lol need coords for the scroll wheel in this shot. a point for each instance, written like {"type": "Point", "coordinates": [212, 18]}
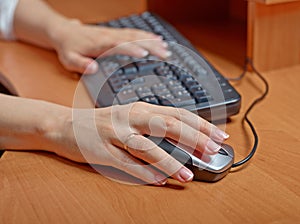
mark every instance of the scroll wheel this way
{"type": "Point", "coordinates": [223, 152]}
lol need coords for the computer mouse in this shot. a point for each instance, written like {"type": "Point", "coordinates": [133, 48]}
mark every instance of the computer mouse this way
{"type": "Point", "coordinates": [208, 168]}
{"type": "Point", "coordinates": [6, 86]}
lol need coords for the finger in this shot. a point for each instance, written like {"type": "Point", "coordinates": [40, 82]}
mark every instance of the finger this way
{"type": "Point", "coordinates": [128, 48]}
{"type": "Point", "coordinates": [155, 47]}
{"type": "Point", "coordinates": [130, 34]}
{"type": "Point", "coordinates": [192, 120]}
{"type": "Point", "coordinates": [129, 164]}
{"type": "Point", "coordinates": [78, 63]}
{"type": "Point", "coordinates": [170, 127]}
{"type": "Point", "coordinates": [146, 40]}
{"type": "Point", "coordinates": [148, 151]}
{"type": "Point", "coordinates": [140, 49]}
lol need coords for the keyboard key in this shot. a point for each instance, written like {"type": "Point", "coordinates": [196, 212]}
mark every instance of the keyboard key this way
{"type": "Point", "coordinates": [183, 76]}
{"type": "Point", "coordinates": [144, 92]}
{"type": "Point", "coordinates": [130, 68]}
{"type": "Point", "coordinates": [177, 88]}
{"type": "Point", "coordinates": [131, 76]}
{"type": "Point", "coordinates": [127, 96]}
{"type": "Point", "coordinates": [204, 99]}
{"type": "Point", "coordinates": [150, 99]}
{"type": "Point", "coordinates": [200, 93]}
{"type": "Point", "coordinates": [180, 94]}
{"type": "Point", "coordinates": [147, 65]}
{"type": "Point", "coordinates": [178, 102]}
{"type": "Point", "coordinates": [190, 83]}
{"type": "Point", "coordinates": [159, 86]}
{"type": "Point", "coordinates": [110, 68]}
{"type": "Point", "coordinates": [164, 71]}
{"type": "Point", "coordinates": [167, 96]}
{"type": "Point", "coordinates": [117, 87]}
{"type": "Point", "coordinates": [161, 92]}
{"type": "Point", "coordinates": [137, 81]}
{"type": "Point", "coordinates": [171, 83]}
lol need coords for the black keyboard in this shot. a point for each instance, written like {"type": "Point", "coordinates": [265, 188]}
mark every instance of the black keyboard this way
{"type": "Point", "coordinates": [185, 80]}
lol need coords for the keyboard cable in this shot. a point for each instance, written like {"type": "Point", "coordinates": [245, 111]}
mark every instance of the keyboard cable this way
{"type": "Point", "coordinates": [249, 62]}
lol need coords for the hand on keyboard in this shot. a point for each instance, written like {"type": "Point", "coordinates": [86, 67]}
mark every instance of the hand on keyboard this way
{"type": "Point", "coordinates": [76, 44]}
{"type": "Point", "coordinates": [185, 79]}
{"type": "Point", "coordinates": [118, 139]}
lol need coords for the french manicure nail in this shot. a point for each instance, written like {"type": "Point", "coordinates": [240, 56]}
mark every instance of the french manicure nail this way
{"type": "Point", "coordinates": [185, 174]}
{"type": "Point", "coordinates": [222, 134]}
{"type": "Point", "coordinates": [145, 53]}
{"type": "Point", "coordinates": [168, 54]}
{"type": "Point", "coordinates": [160, 180]}
{"type": "Point", "coordinates": [212, 146]}
{"type": "Point", "coordinates": [92, 68]}
{"type": "Point", "coordinates": [165, 44]}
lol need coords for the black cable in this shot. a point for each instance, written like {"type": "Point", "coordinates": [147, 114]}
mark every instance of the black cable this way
{"type": "Point", "coordinates": [238, 78]}
{"type": "Point", "coordinates": [245, 118]}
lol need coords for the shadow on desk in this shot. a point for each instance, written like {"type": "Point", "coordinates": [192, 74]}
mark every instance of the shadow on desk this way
{"type": "Point", "coordinates": [111, 173]}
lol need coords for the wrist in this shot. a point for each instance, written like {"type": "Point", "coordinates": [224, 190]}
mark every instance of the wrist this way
{"type": "Point", "coordinates": [58, 30]}
{"type": "Point", "coordinates": [35, 125]}
{"type": "Point", "coordinates": [54, 127]}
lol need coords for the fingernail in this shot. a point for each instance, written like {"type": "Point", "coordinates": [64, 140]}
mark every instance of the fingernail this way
{"type": "Point", "coordinates": [221, 134]}
{"type": "Point", "coordinates": [213, 147]}
{"type": "Point", "coordinates": [92, 67]}
{"type": "Point", "coordinates": [145, 53]}
{"type": "Point", "coordinates": [168, 54]}
{"type": "Point", "coordinates": [160, 180]}
{"type": "Point", "coordinates": [185, 174]}
{"type": "Point", "coordinates": [165, 44]}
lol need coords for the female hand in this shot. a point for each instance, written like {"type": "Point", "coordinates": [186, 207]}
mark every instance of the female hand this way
{"type": "Point", "coordinates": [76, 44]}
{"type": "Point", "coordinates": [114, 136]}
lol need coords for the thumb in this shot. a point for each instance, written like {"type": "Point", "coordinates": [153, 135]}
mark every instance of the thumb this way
{"type": "Point", "coordinates": [78, 63]}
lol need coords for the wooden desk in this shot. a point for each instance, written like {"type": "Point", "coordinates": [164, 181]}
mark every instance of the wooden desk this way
{"type": "Point", "coordinates": [43, 188]}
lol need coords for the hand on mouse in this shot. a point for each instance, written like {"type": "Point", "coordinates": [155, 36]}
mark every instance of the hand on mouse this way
{"type": "Point", "coordinates": [118, 139]}
{"type": "Point", "coordinates": [110, 136]}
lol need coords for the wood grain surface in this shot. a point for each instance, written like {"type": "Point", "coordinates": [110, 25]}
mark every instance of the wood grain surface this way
{"type": "Point", "coordinates": [41, 187]}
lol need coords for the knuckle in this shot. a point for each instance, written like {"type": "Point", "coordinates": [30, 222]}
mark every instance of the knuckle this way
{"type": "Point", "coordinates": [205, 125]}
{"type": "Point", "coordinates": [182, 112]}
{"type": "Point", "coordinates": [141, 148]}
{"type": "Point", "coordinates": [139, 107]}
{"type": "Point", "coordinates": [171, 123]}
{"type": "Point", "coordinates": [196, 136]}
{"type": "Point", "coordinates": [141, 151]}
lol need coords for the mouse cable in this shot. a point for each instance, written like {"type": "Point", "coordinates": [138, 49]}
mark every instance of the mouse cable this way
{"type": "Point", "coordinates": [256, 101]}
{"type": "Point", "coordinates": [241, 76]}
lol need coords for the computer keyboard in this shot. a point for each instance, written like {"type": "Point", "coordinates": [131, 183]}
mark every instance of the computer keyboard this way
{"type": "Point", "coordinates": [185, 80]}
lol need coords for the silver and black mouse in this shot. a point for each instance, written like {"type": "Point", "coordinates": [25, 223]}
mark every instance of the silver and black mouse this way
{"type": "Point", "coordinates": [208, 168]}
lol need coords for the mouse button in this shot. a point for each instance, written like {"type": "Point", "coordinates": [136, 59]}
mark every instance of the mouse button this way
{"type": "Point", "coordinates": [228, 149]}
{"type": "Point", "coordinates": [6, 86]}
{"type": "Point", "coordinates": [219, 163]}
{"type": "Point", "coordinates": [223, 152]}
